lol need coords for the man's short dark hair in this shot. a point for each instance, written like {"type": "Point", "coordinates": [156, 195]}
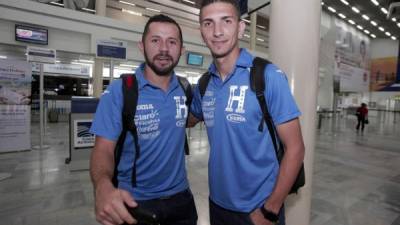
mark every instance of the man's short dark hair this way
{"type": "Point", "coordinates": [162, 19]}
{"type": "Point", "coordinates": [234, 3]}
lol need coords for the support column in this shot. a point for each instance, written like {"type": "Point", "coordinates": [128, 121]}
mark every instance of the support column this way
{"type": "Point", "coordinates": [253, 31]}
{"type": "Point", "coordinates": [98, 77]}
{"type": "Point", "coordinates": [100, 7]}
{"type": "Point", "coordinates": [294, 47]}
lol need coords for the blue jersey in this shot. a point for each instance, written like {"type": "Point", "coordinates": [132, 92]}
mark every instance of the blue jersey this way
{"type": "Point", "coordinates": [160, 120]}
{"type": "Point", "coordinates": [242, 167]}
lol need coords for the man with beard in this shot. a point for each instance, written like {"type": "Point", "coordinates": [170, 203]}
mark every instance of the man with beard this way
{"type": "Point", "coordinates": [247, 184]}
{"type": "Point", "coordinates": [161, 181]}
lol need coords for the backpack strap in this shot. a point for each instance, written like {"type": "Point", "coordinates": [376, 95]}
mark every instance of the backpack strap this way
{"type": "Point", "coordinates": [203, 83]}
{"type": "Point", "coordinates": [130, 100]}
{"type": "Point", "coordinates": [257, 84]}
{"type": "Point", "coordinates": [187, 88]}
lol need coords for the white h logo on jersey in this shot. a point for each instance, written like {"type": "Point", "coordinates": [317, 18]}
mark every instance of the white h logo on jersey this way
{"type": "Point", "coordinates": [180, 105]}
{"type": "Point", "coordinates": [239, 98]}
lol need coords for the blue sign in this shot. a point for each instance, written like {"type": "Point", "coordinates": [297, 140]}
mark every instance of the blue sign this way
{"type": "Point", "coordinates": [194, 59]}
{"type": "Point", "coordinates": [111, 49]}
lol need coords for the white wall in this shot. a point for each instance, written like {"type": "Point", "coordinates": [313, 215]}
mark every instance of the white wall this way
{"type": "Point", "coordinates": [327, 53]}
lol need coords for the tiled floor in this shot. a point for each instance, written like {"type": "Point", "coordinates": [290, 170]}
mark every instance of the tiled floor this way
{"type": "Point", "coordinates": [356, 178]}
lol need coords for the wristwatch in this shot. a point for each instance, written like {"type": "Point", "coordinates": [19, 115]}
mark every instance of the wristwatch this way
{"type": "Point", "coordinates": [269, 215]}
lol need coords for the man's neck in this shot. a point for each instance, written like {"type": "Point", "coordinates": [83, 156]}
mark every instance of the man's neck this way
{"type": "Point", "coordinates": [225, 65]}
{"type": "Point", "coordinates": [156, 80]}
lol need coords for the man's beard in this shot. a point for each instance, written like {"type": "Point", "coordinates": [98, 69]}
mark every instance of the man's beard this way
{"type": "Point", "coordinates": [161, 71]}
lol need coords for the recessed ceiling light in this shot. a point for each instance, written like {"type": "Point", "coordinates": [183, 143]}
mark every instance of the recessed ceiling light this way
{"type": "Point", "coordinates": [154, 10]}
{"type": "Point", "coordinates": [388, 33]}
{"type": "Point", "coordinates": [366, 31]}
{"type": "Point", "coordinates": [360, 27]}
{"type": "Point", "coordinates": [355, 9]}
{"type": "Point", "coordinates": [352, 22]}
{"type": "Point", "coordinates": [398, 24]}
{"type": "Point", "coordinates": [373, 36]}
{"type": "Point", "coordinates": [190, 2]}
{"type": "Point", "coordinates": [345, 2]}
{"type": "Point", "coordinates": [375, 2]}
{"type": "Point", "coordinates": [365, 17]}
{"type": "Point", "coordinates": [342, 16]}
{"type": "Point", "coordinates": [393, 37]}
{"type": "Point", "coordinates": [381, 29]}
{"type": "Point", "coordinates": [322, 3]}
{"type": "Point", "coordinates": [127, 3]}
{"type": "Point", "coordinates": [384, 10]}
{"type": "Point", "coordinates": [373, 23]}
{"type": "Point", "coordinates": [3, 57]}
{"type": "Point", "coordinates": [331, 9]}
{"type": "Point", "coordinates": [394, 19]}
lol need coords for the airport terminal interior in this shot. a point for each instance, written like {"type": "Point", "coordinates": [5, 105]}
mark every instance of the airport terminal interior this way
{"type": "Point", "coordinates": [56, 55]}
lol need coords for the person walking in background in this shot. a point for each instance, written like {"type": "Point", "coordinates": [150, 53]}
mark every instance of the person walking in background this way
{"type": "Point", "coordinates": [362, 116]}
{"type": "Point", "coordinates": [155, 180]}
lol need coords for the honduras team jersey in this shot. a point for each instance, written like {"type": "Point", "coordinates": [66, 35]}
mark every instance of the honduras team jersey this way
{"type": "Point", "coordinates": [160, 120]}
{"type": "Point", "coordinates": [242, 167]}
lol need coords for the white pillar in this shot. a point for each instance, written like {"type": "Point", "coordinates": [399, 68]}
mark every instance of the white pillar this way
{"type": "Point", "coordinates": [98, 77]}
{"type": "Point", "coordinates": [294, 47]}
{"type": "Point", "coordinates": [253, 31]}
{"type": "Point", "coordinates": [101, 6]}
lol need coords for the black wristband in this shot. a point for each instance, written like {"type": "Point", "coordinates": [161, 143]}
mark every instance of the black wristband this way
{"type": "Point", "coordinates": [269, 215]}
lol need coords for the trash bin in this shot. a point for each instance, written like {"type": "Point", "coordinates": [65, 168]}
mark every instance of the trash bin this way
{"type": "Point", "coordinates": [53, 116]}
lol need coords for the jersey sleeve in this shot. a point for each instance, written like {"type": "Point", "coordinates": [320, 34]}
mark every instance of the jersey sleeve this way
{"type": "Point", "coordinates": [195, 108]}
{"type": "Point", "coordinates": [281, 104]}
{"type": "Point", "coordinates": [107, 121]}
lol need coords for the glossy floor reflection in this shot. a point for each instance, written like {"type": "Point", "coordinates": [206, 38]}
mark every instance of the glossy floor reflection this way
{"type": "Point", "coordinates": [356, 177]}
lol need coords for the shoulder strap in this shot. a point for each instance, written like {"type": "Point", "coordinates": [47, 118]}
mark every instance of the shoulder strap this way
{"type": "Point", "coordinates": [130, 100]}
{"type": "Point", "coordinates": [203, 83]}
{"type": "Point", "coordinates": [187, 88]}
{"type": "Point", "coordinates": [257, 84]}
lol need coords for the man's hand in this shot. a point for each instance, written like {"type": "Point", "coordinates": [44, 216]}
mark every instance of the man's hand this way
{"type": "Point", "coordinates": [258, 218]}
{"type": "Point", "coordinates": [110, 208]}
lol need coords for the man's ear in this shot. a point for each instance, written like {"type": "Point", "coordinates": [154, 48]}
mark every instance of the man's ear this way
{"type": "Point", "coordinates": [183, 50]}
{"type": "Point", "coordinates": [242, 27]}
{"type": "Point", "coordinates": [141, 47]}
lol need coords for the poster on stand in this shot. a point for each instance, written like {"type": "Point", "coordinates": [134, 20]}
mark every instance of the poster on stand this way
{"type": "Point", "coordinates": [15, 111]}
{"type": "Point", "coordinates": [82, 137]}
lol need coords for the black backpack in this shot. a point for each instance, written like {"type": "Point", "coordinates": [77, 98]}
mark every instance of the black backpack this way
{"type": "Point", "coordinates": [257, 84]}
{"type": "Point", "coordinates": [130, 100]}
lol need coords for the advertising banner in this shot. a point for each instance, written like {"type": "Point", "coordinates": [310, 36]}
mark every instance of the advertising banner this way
{"type": "Point", "coordinates": [15, 111]}
{"type": "Point", "coordinates": [352, 58]}
{"type": "Point", "coordinates": [383, 74]}
{"type": "Point", "coordinates": [82, 137]}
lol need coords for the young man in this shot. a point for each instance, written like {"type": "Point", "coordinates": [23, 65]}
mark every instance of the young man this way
{"type": "Point", "coordinates": [161, 182]}
{"type": "Point", "coordinates": [247, 185]}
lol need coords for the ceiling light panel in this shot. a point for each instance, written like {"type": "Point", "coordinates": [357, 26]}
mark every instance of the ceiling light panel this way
{"type": "Point", "coordinates": [331, 9]}
{"type": "Point", "coordinates": [375, 2]}
{"type": "Point", "coordinates": [355, 9]}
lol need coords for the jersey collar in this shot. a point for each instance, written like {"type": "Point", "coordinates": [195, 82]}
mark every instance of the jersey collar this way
{"type": "Point", "coordinates": [142, 81]}
{"type": "Point", "coordinates": [245, 60]}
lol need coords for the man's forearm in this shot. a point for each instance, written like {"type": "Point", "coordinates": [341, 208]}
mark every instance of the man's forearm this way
{"type": "Point", "coordinates": [101, 163]}
{"type": "Point", "coordinates": [288, 171]}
